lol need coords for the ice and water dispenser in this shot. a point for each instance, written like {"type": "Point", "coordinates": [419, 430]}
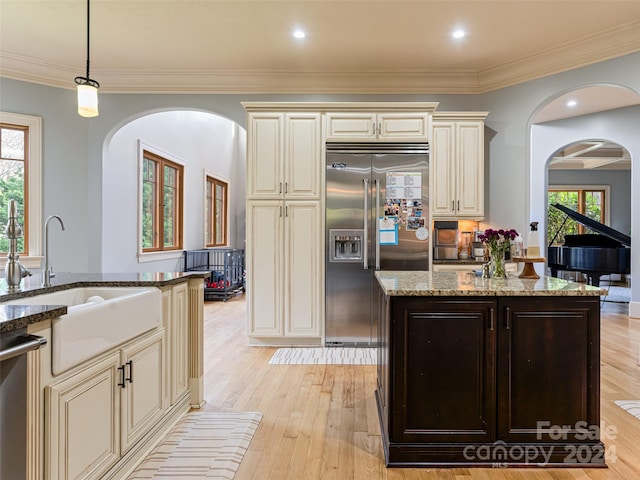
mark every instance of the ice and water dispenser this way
{"type": "Point", "coordinates": [345, 245]}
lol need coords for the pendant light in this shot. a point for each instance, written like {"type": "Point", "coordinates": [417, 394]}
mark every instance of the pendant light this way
{"type": "Point", "coordinates": [87, 88]}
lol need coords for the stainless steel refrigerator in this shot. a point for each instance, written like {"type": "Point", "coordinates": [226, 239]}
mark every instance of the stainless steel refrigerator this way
{"type": "Point", "coordinates": [377, 207]}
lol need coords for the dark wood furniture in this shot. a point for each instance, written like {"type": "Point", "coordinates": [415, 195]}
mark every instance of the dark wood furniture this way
{"type": "Point", "coordinates": [489, 381]}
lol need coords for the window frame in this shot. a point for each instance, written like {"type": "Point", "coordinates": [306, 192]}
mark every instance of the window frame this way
{"type": "Point", "coordinates": [210, 222]}
{"type": "Point", "coordinates": [160, 252]}
{"type": "Point", "coordinates": [33, 188]}
{"type": "Point", "coordinates": [582, 189]}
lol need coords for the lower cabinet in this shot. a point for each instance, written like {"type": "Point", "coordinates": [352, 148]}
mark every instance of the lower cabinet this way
{"type": "Point", "coordinates": [175, 307]}
{"type": "Point", "coordinates": [94, 416]}
{"type": "Point", "coordinates": [480, 380]}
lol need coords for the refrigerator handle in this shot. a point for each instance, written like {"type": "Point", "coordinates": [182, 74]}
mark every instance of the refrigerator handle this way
{"type": "Point", "coordinates": [365, 236]}
{"type": "Point", "coordinates": [377, 220]}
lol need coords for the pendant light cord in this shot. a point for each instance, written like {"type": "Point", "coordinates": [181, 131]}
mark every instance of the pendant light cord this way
{"type": "Point", "coordinates": [88, 34]}
{"type": "Point", "coordinates": [87, 80]}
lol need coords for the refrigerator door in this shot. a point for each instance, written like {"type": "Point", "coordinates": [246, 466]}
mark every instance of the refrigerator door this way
{"type": "Point", "coordinates": [400, 211]}
{"type": "Point", "coordinates": [348, 273]}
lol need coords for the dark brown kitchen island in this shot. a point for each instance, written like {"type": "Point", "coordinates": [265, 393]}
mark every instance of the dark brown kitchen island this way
{"type": "Point", "coordinates": [484, 372]}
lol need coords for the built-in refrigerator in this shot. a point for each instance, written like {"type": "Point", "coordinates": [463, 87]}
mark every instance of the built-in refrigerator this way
{"type": "Point", "coordinates": [377, 208]}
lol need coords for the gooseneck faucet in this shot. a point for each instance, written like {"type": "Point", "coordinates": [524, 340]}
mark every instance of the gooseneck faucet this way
{"type": "Point", "coordinates": [14, 271]}
{"type": "Point", "coordinates": [47, 273]}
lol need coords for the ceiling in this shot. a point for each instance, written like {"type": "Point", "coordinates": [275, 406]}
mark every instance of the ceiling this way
{"type": "Point", "coordinates": [360, 46]}
{"type": "Point", "coordinates": [241, 46]}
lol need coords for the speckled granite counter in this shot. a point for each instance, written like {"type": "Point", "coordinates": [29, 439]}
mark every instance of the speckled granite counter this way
{"type": "Point", "coordinates": [18, 316]}
{"type": "Point", "coordinates": [412, 284]}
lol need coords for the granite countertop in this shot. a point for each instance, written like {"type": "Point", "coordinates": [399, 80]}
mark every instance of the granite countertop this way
{"type": "Point", "coordinates": [420, 283]}
{"type": "Point", "coordinates": [18, 316]}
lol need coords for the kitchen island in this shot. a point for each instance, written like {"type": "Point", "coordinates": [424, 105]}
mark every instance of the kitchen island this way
{"type": "Point", "coordinates": [488, 372]}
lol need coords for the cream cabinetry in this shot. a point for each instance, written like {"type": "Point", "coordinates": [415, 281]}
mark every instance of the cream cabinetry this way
{"type": "Point", "coordinates": [284, 250]}
{"type": "Point", "coordinates": [378, 127]}
{"type": "Point", "coordinates": [457, 158]}
{"type": "Point", "coordinates": [284, 155]}
{"type": "Point", "coordinates": [96, 415]}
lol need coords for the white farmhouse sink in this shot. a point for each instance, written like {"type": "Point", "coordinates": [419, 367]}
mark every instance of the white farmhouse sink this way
{"type": "Point", "coordinates": [97, 319]}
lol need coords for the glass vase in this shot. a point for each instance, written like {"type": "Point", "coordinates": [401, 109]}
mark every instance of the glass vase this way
{"type": "Point", "coordinates": [497, 265]}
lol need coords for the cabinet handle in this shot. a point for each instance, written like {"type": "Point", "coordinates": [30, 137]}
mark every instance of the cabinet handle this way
{"type": "Point", "coordinates": [507, 318]}
{"type": "Point", "coordinates": [280, 191]}
{"type": "Point", "coordinates": [453, 205]}
{"type": "Point", "coordinates": [379, 129]}
{"type": "Point", "coordinates": [280, 211]}
{"type": "Point", "coordinates": [130, 378]}
{"type": "Point", "coordinates": [458, 205]}
{"type": "Point", "coordinates": [286, 187]}
{"type": "Point", "coordinates": [286, 211]}
{"type": "Point", "coordinates": [121, 382]}
{"type": "Point", "coordinates": [492, 317]}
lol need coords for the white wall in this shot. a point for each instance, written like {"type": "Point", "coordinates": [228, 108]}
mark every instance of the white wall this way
{"type": "Point", "coordinates": [200, 140]}
{"type": "Point", "coordinates": [619, 126]}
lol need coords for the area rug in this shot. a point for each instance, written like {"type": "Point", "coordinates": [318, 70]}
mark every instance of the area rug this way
{"type": "Point", "coordinates": [617, 294]}
{"type": "Point", "coordinates": [631, 406]}
{"type": "Point", "coordinates": [202, 445]}
{"type": "Point", "coordinates": [324, 356]}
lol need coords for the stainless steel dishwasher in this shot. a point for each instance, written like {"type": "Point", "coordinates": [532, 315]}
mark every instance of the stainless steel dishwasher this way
{"type": "Point", "coordinates": [14, 346]}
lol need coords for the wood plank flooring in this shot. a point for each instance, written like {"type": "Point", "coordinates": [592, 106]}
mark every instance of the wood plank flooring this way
{"type": "Point", "coordinates": [320, 421]}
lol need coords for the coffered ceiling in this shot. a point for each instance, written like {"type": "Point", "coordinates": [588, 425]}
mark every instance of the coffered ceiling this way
{"type": "Point", "coordinates": [243, 46]}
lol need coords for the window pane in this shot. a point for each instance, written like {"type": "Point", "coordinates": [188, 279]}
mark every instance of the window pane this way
{"type": "Point", "coordinates": [12, 144]}
{"type": "Point", "coordinates": [593, 205]}
{"type": "Point", "coordinates": [169, 207]}
{"type": "Point", "coordinates": [11, 188]}
{"type": "Point", "coordinates": [556, 217]}
{"type": "Point", "coordinates": [208, 206]}
{"type": "Point", "coordinates": [149, 200]}
{"type": "Point", "coordinates": [220, 210]}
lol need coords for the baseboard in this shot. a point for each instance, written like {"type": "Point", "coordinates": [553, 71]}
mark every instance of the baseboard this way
{"type": "Point", "coordinates": [127, 464]}
{"type": "Point", "coordinates": [634, 309]}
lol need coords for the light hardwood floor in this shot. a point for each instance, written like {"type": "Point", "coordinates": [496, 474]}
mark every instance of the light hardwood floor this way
{"type": "Point", "coordinates": [320, 421]}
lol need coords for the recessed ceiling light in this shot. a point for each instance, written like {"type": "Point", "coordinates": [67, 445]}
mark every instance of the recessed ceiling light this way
{"type": "Point", "coordinates": [571, 103]}
{"type": "Point", "coordinates": [458, 33]}
{"type": "Point", "coordinates": [299, 34]}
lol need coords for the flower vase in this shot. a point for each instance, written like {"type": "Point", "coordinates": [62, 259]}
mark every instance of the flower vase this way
{"type": "Point", "coordinates": [497, 265]}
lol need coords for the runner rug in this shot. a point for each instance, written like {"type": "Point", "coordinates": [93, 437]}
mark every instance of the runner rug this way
{"type": "Point", "coordinates": [324, 356]}
{"type": "Point", "coordinates": [631, 406]}
{"type": "Point", "coordinates": [207, 445]}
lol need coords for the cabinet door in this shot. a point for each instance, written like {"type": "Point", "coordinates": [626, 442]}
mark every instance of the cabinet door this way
{"type": "Point", "coordinates": [351, 127]}
{"type": "Point", "coordinates": [178, 364]}
{"type": "Point", "coordinates": [443, 352]}
{"type": "Point", "coordinates": [470, 163]}
{"type": "Point", "coordinates": [265, 155]}
{"type": "Point", "coordinates": [264, 270]}
{"type": "Point", "coordinates": [443, 184]}
{"type": "Point", "coordinates": [403, 127]}
{"type": "Point", "coordinates": [83, 430]}
{"type": "Point", "coordinates": [142, 395]}
{"type": "Point", "coordinates": [548, 370]}
{"type": "Point", "coordinates": [302, 258]}
{"type": "Point", "coordinates": [384, 339]}
{"type": "Point", "coordinates": [303, 156]}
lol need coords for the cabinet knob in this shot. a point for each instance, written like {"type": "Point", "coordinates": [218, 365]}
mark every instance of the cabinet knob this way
{"type": "Point", "coordinates": [121, 382]}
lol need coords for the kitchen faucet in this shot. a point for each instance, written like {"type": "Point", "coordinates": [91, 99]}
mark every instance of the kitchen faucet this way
{"type": "Point", "coordinates": [48, 271]}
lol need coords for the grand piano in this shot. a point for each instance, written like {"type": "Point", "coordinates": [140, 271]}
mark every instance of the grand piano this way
{"type": "Point", "coordinates": [594, 254]}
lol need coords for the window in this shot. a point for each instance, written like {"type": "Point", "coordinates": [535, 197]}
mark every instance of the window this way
{"type": "Point", "coordinates": [216, 212]}
{"type": "Point", "coordinates": [162, 200]}
{"type": "Point", "coordinates": [21, 180]}
{"type": "Point", "coordinates": [589, 201]}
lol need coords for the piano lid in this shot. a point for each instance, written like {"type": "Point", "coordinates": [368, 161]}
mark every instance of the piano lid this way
{"type": "Point", "coordinates": [595, 226]}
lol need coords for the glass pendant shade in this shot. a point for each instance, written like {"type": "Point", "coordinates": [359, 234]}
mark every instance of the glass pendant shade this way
{"type": "Point", "coordinates": [87, 100]}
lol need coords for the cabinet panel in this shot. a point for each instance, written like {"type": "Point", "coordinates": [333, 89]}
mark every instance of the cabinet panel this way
{"type": "Point", "coordinates": [407, 127]}
{"type": "Point", "coordinates": [551, 369]}
{"type": "Point", "coordinates": [264, 270]}
{"type": "Point", "coordinates": [302, 266]}
{"type": "Point", "coordinates": [179, 348]}
{"type": "Point", "coordinates": [265, 155]}
{"type": "Point", "coordinates": [444, 374]}
{"type": "Point", "coordinates": [142, 395]}
{"type": "Point", "coordinates": [83, 430]}
{"type": "Point", "coordinates": [442, 195]}
{"type": "Point", "coordinates": [303, 156]}
{"type": "Point", "coordinates": [351, 126]}
{"type": "Point", "coordinates": [469, 153]}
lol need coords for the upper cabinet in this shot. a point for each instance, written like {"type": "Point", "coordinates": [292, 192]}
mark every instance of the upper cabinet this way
{"type": "Point", "coordinates": [378, 127]}
{"type": "Point", "coordinates": [457, 158]}
{"type": "Point", "coordinates": [284, 155]}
